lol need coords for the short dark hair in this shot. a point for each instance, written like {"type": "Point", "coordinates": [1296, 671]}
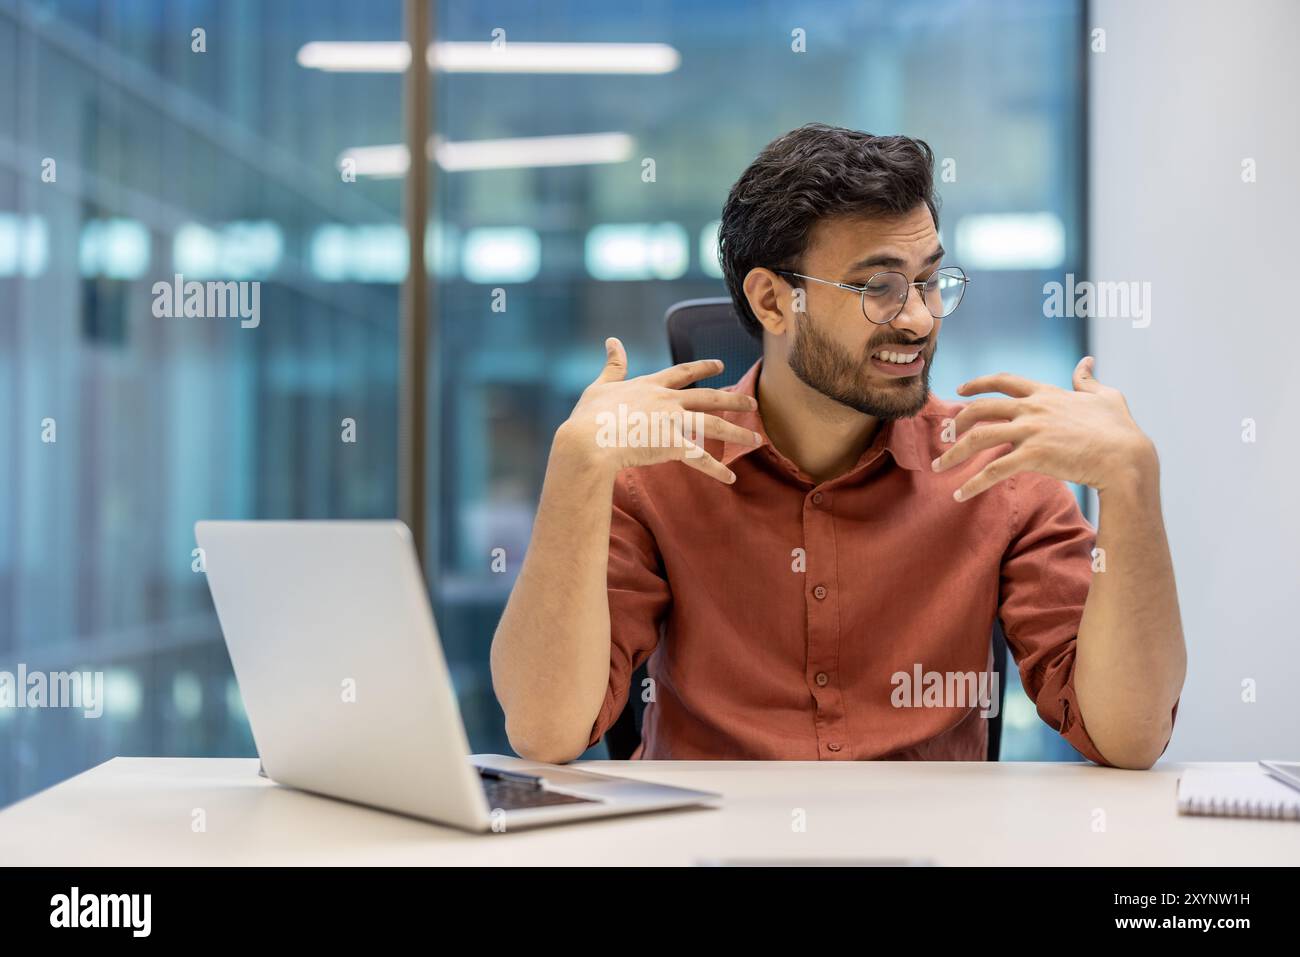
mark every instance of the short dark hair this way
{"type": "Point", "coordinates": [805, 175]}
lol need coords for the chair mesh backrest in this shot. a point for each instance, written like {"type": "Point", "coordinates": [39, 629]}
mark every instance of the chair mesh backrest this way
{"type": "Point", "coordinates": [709, 329]}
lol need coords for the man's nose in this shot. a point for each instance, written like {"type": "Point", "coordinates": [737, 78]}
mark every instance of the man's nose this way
{"type": "Point", "coordinates": [915, 317]}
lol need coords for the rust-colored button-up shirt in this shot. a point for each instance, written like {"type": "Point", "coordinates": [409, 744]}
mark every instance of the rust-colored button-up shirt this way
{"type": "Point", "coordinates": [844, 620]}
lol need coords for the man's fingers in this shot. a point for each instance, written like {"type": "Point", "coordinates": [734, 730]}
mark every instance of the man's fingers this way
{"type": "Point", "coordinates": [983, 410]}
{"type": "Point", "coordinates": [715, 400]}
{"type": "Point", "coordinates": [977, 440]}
{"type": "Point", "coordinates": [683, 374]}
{"type": "Point", "coordinates": [1013, 385]}
{"type": "Point", "coordinates": [1084, 379]}
{"type": "Point", "coordinates": [702, 461]}
{"type": "Point", "coordinates": [687, 429]}
{"type": "Point", "coordinates": [1003, 467]}
{"type": "Point", "coordinates": [615, 362]}
{"type": "Point", "coordinates": [698, 425]}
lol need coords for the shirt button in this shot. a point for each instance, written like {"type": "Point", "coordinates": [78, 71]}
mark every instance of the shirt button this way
{"type": "Point", "coordinates": [822, 678]}
{"type": "Point", "coordinates": [819, 592]}
{"type": "Point", "coordinates": [817, 498]}
{"type": "Point", "coordinates": [832, 746]}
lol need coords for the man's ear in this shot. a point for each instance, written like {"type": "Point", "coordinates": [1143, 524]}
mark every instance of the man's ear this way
{"type": "Point", "coordinates": [772, 300]}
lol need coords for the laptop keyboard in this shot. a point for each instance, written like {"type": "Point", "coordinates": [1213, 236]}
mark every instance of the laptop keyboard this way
{"type": "Point", "coordinates": [517, 795]}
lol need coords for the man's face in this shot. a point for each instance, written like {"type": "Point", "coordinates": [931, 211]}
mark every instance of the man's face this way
{"type": "Point", "coordinates": [834, 348]}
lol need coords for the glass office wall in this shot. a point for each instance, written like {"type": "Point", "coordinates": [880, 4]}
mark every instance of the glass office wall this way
{"type": "Point", "coordinates": [541, 263]}
{"type": "Point", "coordinates": [140, 141]}
{"type": "Point", "coordinates": [228, 142]}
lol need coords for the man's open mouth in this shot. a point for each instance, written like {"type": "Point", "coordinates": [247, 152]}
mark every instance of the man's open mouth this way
{"type": "Point", "coordinates": [898, 360]}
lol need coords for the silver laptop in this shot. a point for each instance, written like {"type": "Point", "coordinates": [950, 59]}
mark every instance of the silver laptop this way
{"type": "Point", "coordinates": [345, 684]}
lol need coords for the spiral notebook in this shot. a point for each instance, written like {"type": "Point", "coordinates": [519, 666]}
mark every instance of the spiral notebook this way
{"type": "Point", "coordinates": [1250, 793]}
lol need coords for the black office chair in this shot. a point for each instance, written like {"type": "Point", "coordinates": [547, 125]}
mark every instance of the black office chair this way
{"type": "Point", "coordinates": [709, 329]}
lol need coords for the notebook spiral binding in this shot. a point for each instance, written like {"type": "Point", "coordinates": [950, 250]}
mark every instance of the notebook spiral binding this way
{"type": "Point", "coordinates": [1240, 807]}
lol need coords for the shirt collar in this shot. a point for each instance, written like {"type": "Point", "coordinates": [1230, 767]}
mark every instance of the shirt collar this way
{"type": "Point", "coordinates": [898, 437]}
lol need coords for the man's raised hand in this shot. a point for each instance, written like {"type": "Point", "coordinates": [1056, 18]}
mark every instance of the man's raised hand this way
{"type": "Point", "coordinates": [621, 422]}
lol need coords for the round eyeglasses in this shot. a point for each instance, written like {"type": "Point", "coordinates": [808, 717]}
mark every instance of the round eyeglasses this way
{"type": "Point", "coordinates": [885, 294]}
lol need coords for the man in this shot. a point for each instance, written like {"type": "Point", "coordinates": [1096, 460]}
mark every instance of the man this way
{"type": "Point", "coordinates": [837, 532]}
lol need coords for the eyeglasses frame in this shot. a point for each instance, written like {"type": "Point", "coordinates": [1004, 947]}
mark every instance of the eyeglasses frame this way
{"type": "Point", "coordinates": [862, 290]}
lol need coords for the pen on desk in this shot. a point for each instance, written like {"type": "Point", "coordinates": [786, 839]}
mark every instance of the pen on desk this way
{"type": "Point", "coordinates": [814, 862]}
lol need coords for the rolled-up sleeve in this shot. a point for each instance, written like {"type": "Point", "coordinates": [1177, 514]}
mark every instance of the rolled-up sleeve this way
{"type": "Point", "coordinates": [639, 598]}
{"type": "Point", "coordinates": [1046, 575]}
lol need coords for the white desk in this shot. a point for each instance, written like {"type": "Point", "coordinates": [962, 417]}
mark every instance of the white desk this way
{"type": "Point", "coordinates": [138, 811]}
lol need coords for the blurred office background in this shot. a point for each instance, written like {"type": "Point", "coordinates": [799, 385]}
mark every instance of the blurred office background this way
{"type": "Point", "coordinates": [225, 164]}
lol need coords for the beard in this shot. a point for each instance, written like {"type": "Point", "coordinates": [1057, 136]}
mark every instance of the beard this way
{"type": "Point", "coordinates": [823, 365]}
